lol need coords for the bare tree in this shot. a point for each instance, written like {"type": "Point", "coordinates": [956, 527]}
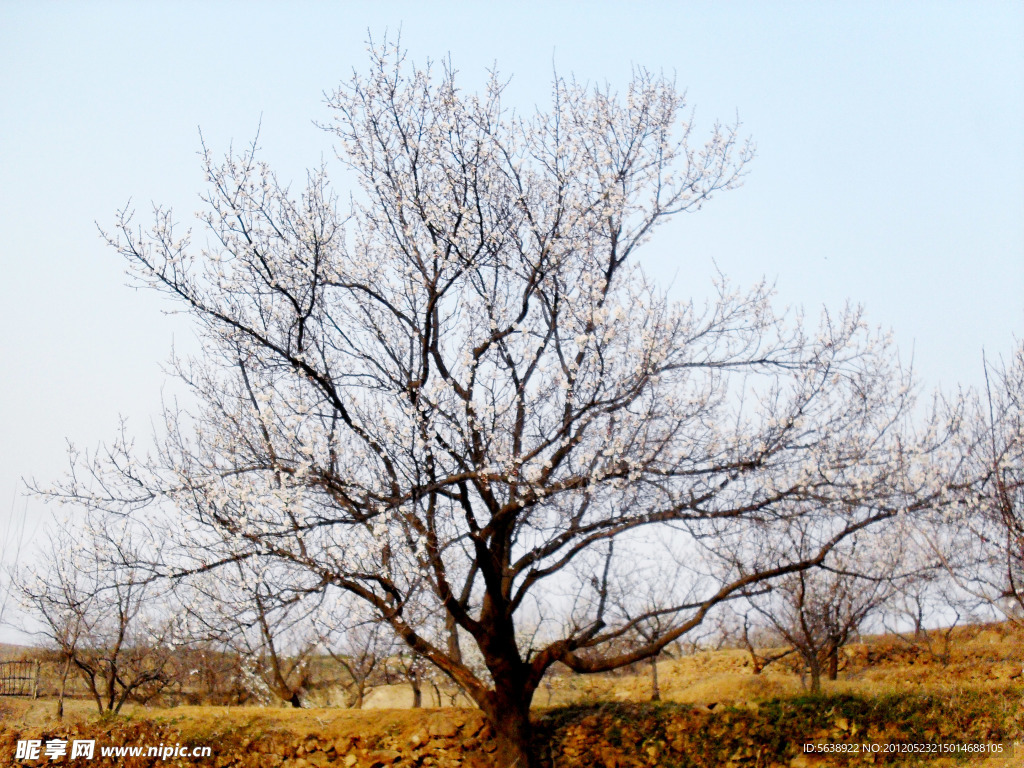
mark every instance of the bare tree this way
{"type": "Point", "coordinates": [61, 597]}
{"type": "Point", "coordinates": [452, 398]}
{"type": "Point", "coordinates": [253, 609]}
{"type": "Point", "coordinates": [999, 462]}
{"type": "Point", "coordinates": [103, 611]}
{"type": "Point", "coordinates": [925, 610]}
{"type": "Point", "coordinates": [360, 645]}
{"type": "Point", "coordinates": [209, 673]}
{"type": "Point", "coordinates": [415, 671]}
{"type": "Point", "coordinates": [818, 610]}
{"type": "Point", "coordinates": [743, 628]}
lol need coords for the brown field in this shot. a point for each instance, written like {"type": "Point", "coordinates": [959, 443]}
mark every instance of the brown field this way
{"type": "Point", "coordinates": [715, 712]}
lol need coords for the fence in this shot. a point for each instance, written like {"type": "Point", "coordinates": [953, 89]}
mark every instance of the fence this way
{"type": "Point", "coordinates": [19, 678]}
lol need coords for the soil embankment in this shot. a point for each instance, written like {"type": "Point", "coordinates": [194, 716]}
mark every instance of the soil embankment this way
{"type": "Point", "coordinates": [769, 734]}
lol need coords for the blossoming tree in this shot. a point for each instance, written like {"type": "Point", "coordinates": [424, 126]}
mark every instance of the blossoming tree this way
{"type": "Point", "coordinates": [462, 397]}
{"type": "Point", "coordinates": [979, 536]}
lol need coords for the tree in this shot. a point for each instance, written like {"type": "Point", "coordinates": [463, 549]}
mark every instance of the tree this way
{"type": "Point", "coordinates": [817, 611]}
{"type": "Point", "coordinates": [103, 610]}
{"type": "Point", "coordinates": [255, 611]}
{"type": "Point", "coordinates": [763, 644]}
{"type": "Point", "coordinates": [999, 461]}
{"type": "Point", "coordinates": [360, 646]}
{"type": "Point", "coordinates": [61, 598]}
{"type": "Point", "coordinates": [454, 399]}
{"type": "Point", "coordinates": [932, 605]}
{"type": "Point", "coordinates": [978, 534]}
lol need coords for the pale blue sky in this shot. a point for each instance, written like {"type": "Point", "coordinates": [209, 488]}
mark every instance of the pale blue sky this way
{"type": "Point", "coordinates": [890, 166]}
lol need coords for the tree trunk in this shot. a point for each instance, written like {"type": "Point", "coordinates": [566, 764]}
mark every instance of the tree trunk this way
{"type": "Point", "coordinates": [417, 694]}
{"type": "Point", "coordinates": [121, 700]}
{"type": "Point", "coordinates": [833, 663]}
{"type": "Point", "coordinates": [90, 677]}
{"type": "Point", "coordinates": [111, 687]}
{"type": "Point", "coordinates": [655, 690]}
{"type": "Point", "coordinates": [815, 669]}
{"type": "Point", "coordinates": [756, 663]}
{"type": "Point", "coordinates": [63, 685]}
{"type": "Point", "coordinates": [511, 724]}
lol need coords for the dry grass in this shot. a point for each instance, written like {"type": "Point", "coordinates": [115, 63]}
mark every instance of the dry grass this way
{"type": "Point", "coordinates": [982, 658]}
{"type": "Point", "coordinates": [25, 712]}
{"type": "Point", "coordinates": [881, 678]}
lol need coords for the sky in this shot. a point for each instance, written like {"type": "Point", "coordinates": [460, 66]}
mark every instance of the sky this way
{"type": "Point", "coordinates": [889, 168]}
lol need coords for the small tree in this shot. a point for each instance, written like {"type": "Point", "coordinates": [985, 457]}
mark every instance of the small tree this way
{"type": "Point", "coordinates": [818, 610]}
{"type": "Point", "coordinates": [744, 628]}
{"type": "Point", "coordinates": [360, 645]}
{"type": "Point", "coordinates": [926, 609]}
{"type": "Point", "coordinates": [209, 673]}
{"type": "Point", "coordinates": [997, 461]}
{"type": "Point", "coordinates": [62, 598]}
{"type": "Point", "coordinates": [103, 611]}
{"type": "Point", "coordinates": [253, 609]}
{"type": "Point", "coordinates": [450, 399]}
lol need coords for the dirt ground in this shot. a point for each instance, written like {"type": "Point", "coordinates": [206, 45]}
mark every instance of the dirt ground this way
{"type": "Point", "coordinates": [977, 690]}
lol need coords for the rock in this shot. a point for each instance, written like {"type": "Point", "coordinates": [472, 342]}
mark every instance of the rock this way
{"type": "Point", "coordinates": [350, 760]}
{"type": "Point", "coordinates": [383, 757]}
{"type": "Point", "coordinates": [473, 728]}
{"type": "Point", "coordinates": [444, 729]}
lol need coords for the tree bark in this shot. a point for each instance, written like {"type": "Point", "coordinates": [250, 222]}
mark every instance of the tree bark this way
{"type": "Point", "coordinates": [815, 670]}
{"type": "Point", "coordinates": [63, 687]}
{"type": "Point", "coordinates": [358, 696]}
{"type": "Point", "coordinates": [655, 690]}
{"type": "Point", "coordinates": [511, 723]}
{"type": "Point", "coordinates": [833, 663]}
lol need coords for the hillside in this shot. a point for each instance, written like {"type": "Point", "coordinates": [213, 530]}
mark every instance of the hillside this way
{"type": "Point", "coordinates": [715, 712]}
